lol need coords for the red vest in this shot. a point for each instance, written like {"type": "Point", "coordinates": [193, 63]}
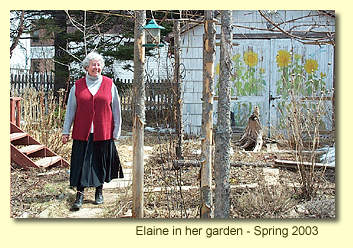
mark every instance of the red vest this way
{"type": "Point", "coordinates": [95, 108]}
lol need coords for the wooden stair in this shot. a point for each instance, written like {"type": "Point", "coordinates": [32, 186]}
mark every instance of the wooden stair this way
{"type": "Point", "coordinates": [27, 152]}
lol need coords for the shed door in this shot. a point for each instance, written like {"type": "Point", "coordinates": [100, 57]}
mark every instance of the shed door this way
{"type": "Point", "coordinates": [311, 68]}
{"type": "Point", "coordinates": [250, 80]}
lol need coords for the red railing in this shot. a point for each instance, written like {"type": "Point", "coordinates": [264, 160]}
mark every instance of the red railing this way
{"type": "Point", "coordinates": [15, 108]}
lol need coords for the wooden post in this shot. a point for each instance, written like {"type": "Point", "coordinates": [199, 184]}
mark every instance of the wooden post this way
{"type": "Point", "coordinates": [139, 114]}
{"type": "Point", "coordinates": [179, 97]}
{"type": "Point", "coordinates": [223, 130]}
{"type": "Point", "coordinates": [209, 45]}
{"type": "Point", "coordinates": [15, 110]}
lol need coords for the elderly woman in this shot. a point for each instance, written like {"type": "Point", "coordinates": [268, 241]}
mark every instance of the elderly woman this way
{"type": "Point", "coordinates": [94, 109]}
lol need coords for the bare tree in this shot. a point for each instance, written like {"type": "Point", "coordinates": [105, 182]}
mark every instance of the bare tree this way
{"type": "Point", "coordinates": [223, 129]}
{"type": "Point", "coordinates": [207, 113]}
{"type": "Point", "coordinates": [139, 114]}
{"type": "Point", "coordinates": [177, 81]}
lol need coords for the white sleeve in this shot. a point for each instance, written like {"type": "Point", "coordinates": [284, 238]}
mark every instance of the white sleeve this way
{"type": "Point", "coordinates": [116, 110]}
{"type": "Point", "coordinates": [70, 111]}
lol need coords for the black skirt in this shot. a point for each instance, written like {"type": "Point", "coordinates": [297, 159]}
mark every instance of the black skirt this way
{"type": "Point", "coordinates": [94, 162]}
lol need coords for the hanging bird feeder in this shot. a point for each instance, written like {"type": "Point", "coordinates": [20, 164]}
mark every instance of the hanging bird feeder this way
{"type": "Point", "coordinates": [153, 34]}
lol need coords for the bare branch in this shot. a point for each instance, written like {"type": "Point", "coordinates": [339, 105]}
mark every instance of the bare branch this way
{"type": "Point", "coordinates": [19, 33]}
{"type": "Point", "coordinates": [327, 40]}
{"type": "Point", "coordinates": [74, 22]}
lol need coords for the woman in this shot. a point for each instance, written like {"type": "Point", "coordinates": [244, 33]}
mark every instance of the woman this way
{"type": "Point", "coordinates": [94, 109]}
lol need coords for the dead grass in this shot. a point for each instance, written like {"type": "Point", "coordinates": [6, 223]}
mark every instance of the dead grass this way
{"type": "Point", "coordinates": [42, 116]}
{"type": "Point", "coordinates": [33, 191]}
{"type": "Point", "coordinates": [265, 201]}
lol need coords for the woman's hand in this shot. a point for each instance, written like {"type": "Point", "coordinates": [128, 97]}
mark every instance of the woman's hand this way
{"type": "Point", "coordinates": [65, 138]}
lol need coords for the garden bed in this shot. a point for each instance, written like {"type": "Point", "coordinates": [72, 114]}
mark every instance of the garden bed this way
{"type": "Point", "coordinates": [262, 191]}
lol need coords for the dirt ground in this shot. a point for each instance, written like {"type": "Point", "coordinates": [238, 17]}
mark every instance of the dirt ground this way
{"type": "Point", "coordinates": [259, 189]}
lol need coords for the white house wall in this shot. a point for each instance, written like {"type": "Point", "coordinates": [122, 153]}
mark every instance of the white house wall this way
{"type": "Point", "coordinates": [42, 52]}
{"type": "Point", "coordinates": [20, 60]}
{"type": "Point", "coordinates": [191, 58]}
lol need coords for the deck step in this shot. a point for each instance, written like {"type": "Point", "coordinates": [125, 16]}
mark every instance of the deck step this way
{"type": "Point", "coordinates": [47, 161]}
{"type": "Point", "coordinates": [28, 152]}
{"type": "Point", "coordinates": [16, 136]}
{"type": "Point", "coordinates": [31, 149]}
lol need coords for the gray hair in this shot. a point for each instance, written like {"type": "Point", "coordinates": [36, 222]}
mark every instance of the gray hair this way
{"type": "Point", "coordinates": [92, 56]}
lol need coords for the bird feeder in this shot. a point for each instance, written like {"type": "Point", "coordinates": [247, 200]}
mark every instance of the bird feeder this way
{"type": "Point", "coordinates": [153, 34]}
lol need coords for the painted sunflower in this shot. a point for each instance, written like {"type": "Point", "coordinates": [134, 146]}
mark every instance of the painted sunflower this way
{"type": "Point", "coordinates": [250, 58]}
{"type": "Point", "coordinates": [311, 65]}
{"type": "Point", "coordinates": [283, 58]}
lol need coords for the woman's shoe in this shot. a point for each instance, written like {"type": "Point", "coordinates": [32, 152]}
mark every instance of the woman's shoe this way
{"type": "Point", "coordinates": [99, 196]}
{"type": "Point", "coordinates": [78, 202]}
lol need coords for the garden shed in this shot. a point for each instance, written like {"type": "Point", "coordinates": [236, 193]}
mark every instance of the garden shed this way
{"type": "Point", "coordinates": [271, 50]}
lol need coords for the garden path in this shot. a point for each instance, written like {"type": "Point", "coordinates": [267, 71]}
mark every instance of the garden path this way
{"type": "Point", "coordinates": [89, 210]}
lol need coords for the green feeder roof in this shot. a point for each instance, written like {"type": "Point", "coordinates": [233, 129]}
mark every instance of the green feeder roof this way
{"type": "Point", "coordinates": [153, 25]}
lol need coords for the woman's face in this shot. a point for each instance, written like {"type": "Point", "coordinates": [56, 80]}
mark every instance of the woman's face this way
{"type": "Point", "coordinates": [94, 68]}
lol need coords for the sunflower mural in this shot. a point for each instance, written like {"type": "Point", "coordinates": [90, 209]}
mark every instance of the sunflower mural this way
{"type": "Point", "coordinates": [285, 67]}
{"type": "Point", "coordinates": [297, 74]}
{"type": "Point", "coordinates": [298, 77]}
{"type": "Point", "coordinates": [248, 79]}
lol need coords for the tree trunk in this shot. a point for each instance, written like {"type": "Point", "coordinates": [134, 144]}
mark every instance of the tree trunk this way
{"type": "Point", "coordinates": [177, 81]}
{"type": "Point", "coordinates": [223, 129]}
{"type": "Point", "coordinates": [139, 114]}
{"type": "Point", "coordinates": [61, 57]}
{"type": "Point", "coordinates": [251, 139]}
{"type": "Point", "coordinates": [207, 114]}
